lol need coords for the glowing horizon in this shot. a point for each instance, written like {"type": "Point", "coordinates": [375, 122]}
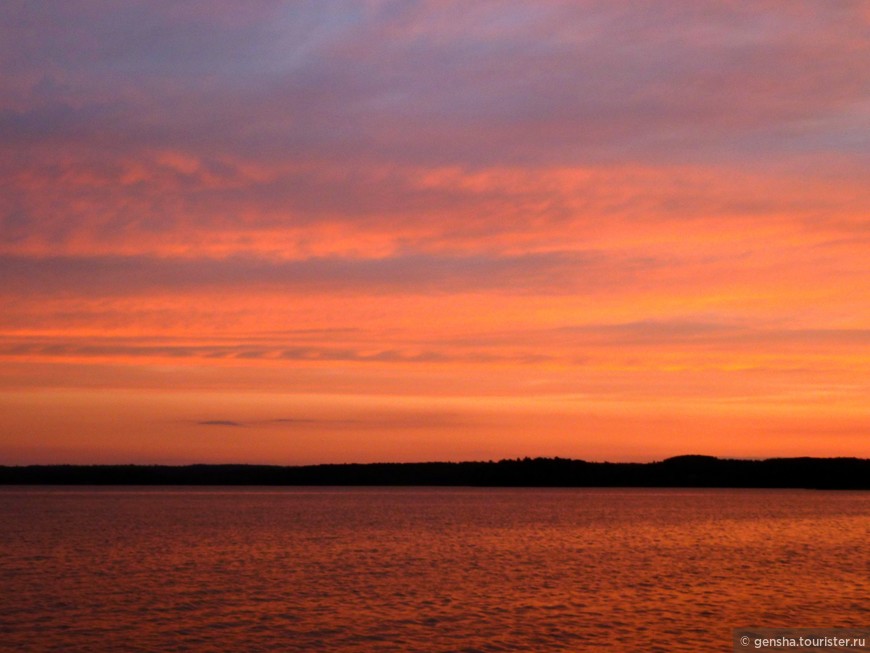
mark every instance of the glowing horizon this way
{"type": "Point", "coordinates": [395, 231]}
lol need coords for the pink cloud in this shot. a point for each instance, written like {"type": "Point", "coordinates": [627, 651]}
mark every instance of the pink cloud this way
{"type": "Point", "coordinates": [635, 205]}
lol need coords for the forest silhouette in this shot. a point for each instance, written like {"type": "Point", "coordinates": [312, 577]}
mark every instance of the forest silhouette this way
{"type": "Point", "coordinates": [679, 471]}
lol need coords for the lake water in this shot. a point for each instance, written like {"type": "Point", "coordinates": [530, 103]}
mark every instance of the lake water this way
{"type": "Point", "coordinates": [424, 569]}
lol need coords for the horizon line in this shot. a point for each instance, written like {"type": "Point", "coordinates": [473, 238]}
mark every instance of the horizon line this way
{"type": "Point", "coordinates": [694, 456]}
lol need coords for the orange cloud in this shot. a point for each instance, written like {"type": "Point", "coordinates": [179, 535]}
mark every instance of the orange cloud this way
{"type": "Point", "coordinates": [430, 230]}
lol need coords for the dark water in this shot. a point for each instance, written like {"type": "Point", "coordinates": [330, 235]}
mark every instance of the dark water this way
{"type": "Point", "coordinates": [429, 570]}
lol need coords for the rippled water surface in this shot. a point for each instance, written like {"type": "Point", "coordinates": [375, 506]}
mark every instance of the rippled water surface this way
{"type": "Point", "coordinates": [421, 569]}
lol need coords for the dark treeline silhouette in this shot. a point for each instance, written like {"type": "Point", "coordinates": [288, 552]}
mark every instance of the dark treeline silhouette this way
{"type": "Point", "coordinates": [681, 471]}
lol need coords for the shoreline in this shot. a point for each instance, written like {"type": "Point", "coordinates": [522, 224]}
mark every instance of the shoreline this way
{"type": "Point", "coordinates": [677, 472]}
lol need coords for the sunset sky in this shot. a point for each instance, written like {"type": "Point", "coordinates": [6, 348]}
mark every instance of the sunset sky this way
{"type": "Point", "coordinates": [331, 231]}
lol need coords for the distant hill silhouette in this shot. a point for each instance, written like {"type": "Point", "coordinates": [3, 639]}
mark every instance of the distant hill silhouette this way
{"type": "Point", "coordinates": [680, 471]}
